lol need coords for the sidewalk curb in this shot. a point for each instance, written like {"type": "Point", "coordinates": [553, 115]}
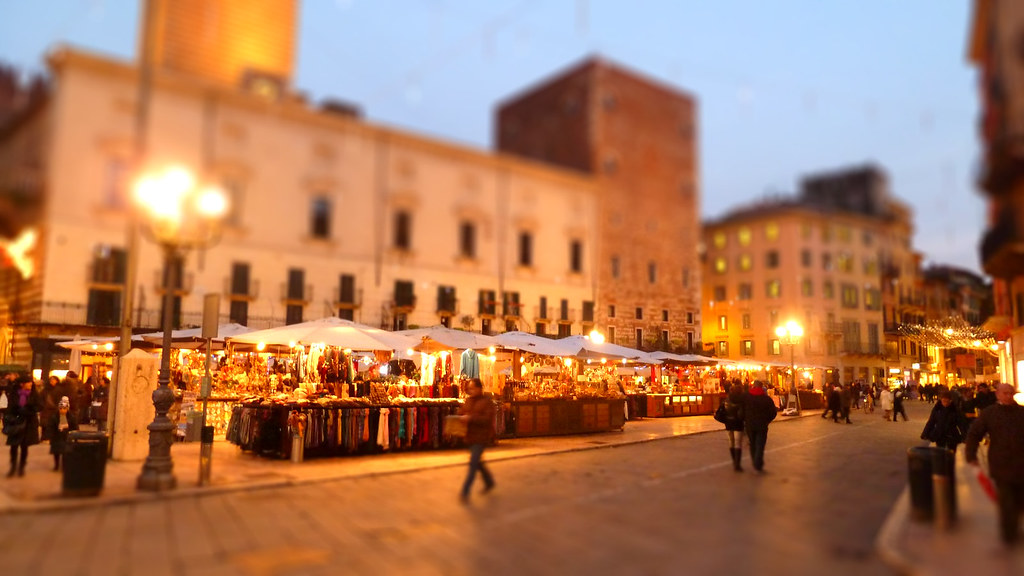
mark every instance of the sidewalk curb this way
{"type": "Point", "coordinates": [10, 506]}
{"type": "Point", "coordinates": [891, 533]}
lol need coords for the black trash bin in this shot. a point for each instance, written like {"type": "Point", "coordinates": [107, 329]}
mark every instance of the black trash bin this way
{"type": "Point", "coordinates": [922, 463]}
{"type": "Point", "coordinates": [84, 464]}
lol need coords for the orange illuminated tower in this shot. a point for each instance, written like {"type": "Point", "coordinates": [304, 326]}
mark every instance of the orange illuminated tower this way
{"type": "Point", "coordinates": [231, 42]}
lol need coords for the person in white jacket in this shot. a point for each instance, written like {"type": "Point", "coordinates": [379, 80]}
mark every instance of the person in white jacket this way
{"type": "Point", "coordinates": [887, 401]}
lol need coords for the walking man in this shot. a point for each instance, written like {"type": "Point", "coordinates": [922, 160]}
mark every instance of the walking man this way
{"type": "Point", "coordinates": [1003, 422]}
{"type": "Point", "coordinates": [478, 413]}
{"type": "Point", "coordinates": [758, 412]}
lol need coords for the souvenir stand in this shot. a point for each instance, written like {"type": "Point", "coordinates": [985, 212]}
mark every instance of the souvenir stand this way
{"type": "Point", "coordinates": [326, 395]}
{"type": "Point", "coordinates": [688, 386]}
{"type": "Point", "coordinates": [188, 367]}
{"type": "Point", "coordinates": [566, 386]}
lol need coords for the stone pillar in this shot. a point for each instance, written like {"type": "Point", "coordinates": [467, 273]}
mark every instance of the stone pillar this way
{"type": "Point", "coordinates": [134, 410]}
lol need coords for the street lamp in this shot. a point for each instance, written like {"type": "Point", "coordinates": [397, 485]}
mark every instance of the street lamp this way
{"type": "Point", "coordinates": [791, 334]}
{"type": "Point", "coordinates": [180, 216]}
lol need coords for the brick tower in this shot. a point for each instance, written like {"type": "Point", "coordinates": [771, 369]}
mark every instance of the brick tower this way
{"type": "Point", "coordinates": [638, 138]}
{"type": "Point", "coordinates": [232, 42]}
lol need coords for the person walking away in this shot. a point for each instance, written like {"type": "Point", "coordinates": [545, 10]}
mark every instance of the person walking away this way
{"type": "Point", "coordinates": [897, 406]}
{"type": "Point", "coordinates": [21, 422]}
{"type": "Point", "coordinates": [730, 413]}
{"type": "Point", "coordinates": [886, 403]}
{"type": "Point", "coordinates": [478, 413]}
{"type": "Point", "coordinates": [1003, 423]}
{"type": "Point", "coordinates": [845, 403]}
{"type": "Point", "coordinates": [60, 425]}
{"type": "Point", "coordinates": [100, 399]}
{"type": "Point", "coordinates": [49, 398]}
{"type": "Point", "coordinates": [85, 400]}
{"type": "Point", "coordinates": [946, 423]}
{"type": "Point", "coordinates": [827, 392]}
{"type": "Point", "coordinates": [758, 412]}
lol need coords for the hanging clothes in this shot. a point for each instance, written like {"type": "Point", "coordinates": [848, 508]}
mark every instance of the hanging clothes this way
{"type": "Point", "coordinates": [383, 435]}
{"type": "Point", "coordinates": [470, 363]}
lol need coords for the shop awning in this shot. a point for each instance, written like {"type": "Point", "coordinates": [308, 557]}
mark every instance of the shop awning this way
{"type": "Point", "coordinates": [330, 331]}
{"type": "Point", "coordinates": [585, 348]}
{"type": "Point", "coordinates": [193, 337]}
{"type": "Point", "coordinates": [439, 338]}
{"type": "Point", "coordinates": [689, 359]}
{"type": "Point", "coordinates": [532, 343]}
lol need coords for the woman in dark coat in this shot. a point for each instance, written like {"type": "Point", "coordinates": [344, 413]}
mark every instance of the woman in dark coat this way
{"type": "Point", "coordinates": [22, 403]}
{"type": "Point", "coordinates": [946, 424]}
{"type": "Point", "coordinates": [732, 416]}
{"type": "Point", "coordinates": [59, 425]}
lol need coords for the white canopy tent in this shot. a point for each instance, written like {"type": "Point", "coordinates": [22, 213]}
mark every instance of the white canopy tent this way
{"type": "Point", "coordinates": [330, 331]}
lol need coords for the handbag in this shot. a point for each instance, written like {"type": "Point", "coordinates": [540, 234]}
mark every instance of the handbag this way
{"type": "Point", "coordinates": [721, 414]}
{"type": "Point", "coordinates": [454, 426]}
{"type": "Point", "coordinates": [14, 424]}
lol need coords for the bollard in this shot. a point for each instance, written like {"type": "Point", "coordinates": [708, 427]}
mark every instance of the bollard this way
{"type": "Point", "coordinates": [297, 447]}
{"type": "Point", "coordinates": [205, 455]}
{"type": "Point", "coordinates": [943, 489]}
{"type": "Point", "coordinates": [919, 467]}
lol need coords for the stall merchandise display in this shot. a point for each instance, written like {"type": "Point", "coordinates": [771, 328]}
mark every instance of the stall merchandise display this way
{"type": "Point", "coordinates": [340, 427]}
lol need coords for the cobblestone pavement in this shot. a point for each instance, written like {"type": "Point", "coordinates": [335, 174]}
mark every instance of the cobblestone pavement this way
{"type": "Point", "coordinates": [671, 506]}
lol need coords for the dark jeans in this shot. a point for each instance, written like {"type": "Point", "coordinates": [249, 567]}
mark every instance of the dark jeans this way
{"type": "Point", "coordinates": [1010, 498]}
{"type": "Point", "coordinates": [758, 438]}
{"type": "Point", "coordinates": [476, 452]}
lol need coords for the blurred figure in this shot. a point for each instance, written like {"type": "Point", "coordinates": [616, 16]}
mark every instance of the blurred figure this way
{"type": "Point", "coordinates": [478, 413]}
{"type": "Point", "coordinates": [827, 392]}
{"type": "Point", "coordinates": [60, 424]}
{"type": "Point", "coordinates": [49, 397]}
{"type": "Point", "coordinates": [983, 398]}
{"type": "Point", "coordinates": [100, 401]}
{"type": "Point", "coordinates": [886, 399]}
{"type": "Point", "coordinates": [85, 400]}
{"type": "Point", "coordinates": [946, 423]}
{"type": "Point", "coordinates": [730, 413]}
{"type": "Point", "coordinates": [21, 422]}
{"type": "Point", "coordinates": [1003, 423]}
{"type": "Point", "coordinates": [897, 405]}
{"type": "Point", "coordinates": [758, 412]}
{"type": "Point", "coordinates": [845, 403]}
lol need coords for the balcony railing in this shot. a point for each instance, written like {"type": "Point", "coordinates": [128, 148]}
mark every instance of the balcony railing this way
{"type": "Point", "coordinates": [183, 288]}
{"type": "Point", "coordinates": [542, 314]}
{"type": "Point", "coordinates": [448, 306]}
{"type": "Point", "coordinates": [291, 297]}
{"type": "Point", "coordinates": [403, 303]}
{"type": "Point", "coordinates": [251, 292]}
{"type": "Point", "coordinates": [567, 316]}
{"type": "Point", "coordinates": [352, 302]}
{"type": "Point", "coordinates": [1002, 249]}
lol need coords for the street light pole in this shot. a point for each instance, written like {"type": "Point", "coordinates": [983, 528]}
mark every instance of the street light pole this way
{"type": "Point", "coordinates": [158, 469]}
{"type": "Point", "coordinates": [180, 217]}
{"type": "Point", "coordinates": [790, 333]}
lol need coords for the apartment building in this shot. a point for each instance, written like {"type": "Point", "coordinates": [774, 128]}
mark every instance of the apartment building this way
{"type": "Point", "coordinates": [994, 47]}
{"type": "Point", "coordinates": [329, 214]}
{"type": "Point", "coordinates": [836, 259]}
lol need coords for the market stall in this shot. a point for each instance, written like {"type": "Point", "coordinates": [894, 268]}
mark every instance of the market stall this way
{"type": "Point", "coordinates": [329, 393]}
{"type": "Point", "coordinates": [562, 386]}
{"type": "Point", "coordinates": [689, 385]}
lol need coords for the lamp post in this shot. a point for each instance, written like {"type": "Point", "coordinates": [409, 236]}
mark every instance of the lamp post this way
{"type": "Point", "coordinates": [791, 333]}
{"type": "Point", "coordinates": [179, 216]}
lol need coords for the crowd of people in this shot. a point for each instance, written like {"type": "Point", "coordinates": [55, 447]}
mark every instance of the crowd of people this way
{"type": "Point", "coordinates": [34, 412]}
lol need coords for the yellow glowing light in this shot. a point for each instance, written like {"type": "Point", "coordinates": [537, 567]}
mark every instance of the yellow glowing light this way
{"type": "Point", "coordinates": [212, 203]}
{"type": "Point", "coordinates": [623, 361]}
{"type": "Point", "coordinates": [37, 374]}
{"type": "Point", "coordinates": [110, 374]}
{"type": "Point", "coordinates": [604, 360]}
{"type": "Point", "coordinates": [347, 350]}
{"type": "Point", "coordinates": [108, 346]}
{"type": "Point", "coordinates": [491, 349]}
{"type": "Point", "coordinates": [995, 346]}
{"type": "Point", "coordinates": [291, 344]}
{"type": "Point", "coordinates": [18, 251]}
{"type": "Point", "coordinates": [260, 346]}
{"type": "Point", "coordinates": [95, 346]}
{"type": "Point", "coordinates": [567, 362]}
{"type": "Point", "coordinates": [410, 352]}
{"type": "Point", "coordinates": [949, 331]}
{"type": "Point", "coordinates": [977, 343]}
{"type": "Point", "coordinates": [596, 337]}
